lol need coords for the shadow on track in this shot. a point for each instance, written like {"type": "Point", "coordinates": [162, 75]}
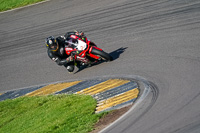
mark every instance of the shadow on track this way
{"type": "Point", "coordinates": [115, 54]}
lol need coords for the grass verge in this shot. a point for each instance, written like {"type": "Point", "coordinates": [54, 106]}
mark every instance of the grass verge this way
{"type": "Point", "coordinates": [10, 4]}
{"type": "Point", "coordinates": [53, 113]}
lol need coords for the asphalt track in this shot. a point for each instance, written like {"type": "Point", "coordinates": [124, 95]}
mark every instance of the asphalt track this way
{"type": "Point", "coordinates": [157, 41]}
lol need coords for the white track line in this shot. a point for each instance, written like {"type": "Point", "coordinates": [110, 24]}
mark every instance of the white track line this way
{"type": "Point", "coordinates": [24, 7]}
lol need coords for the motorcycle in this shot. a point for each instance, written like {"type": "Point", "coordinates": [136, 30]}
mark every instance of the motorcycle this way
{"type": "Point", "coordinates": [87, 50]}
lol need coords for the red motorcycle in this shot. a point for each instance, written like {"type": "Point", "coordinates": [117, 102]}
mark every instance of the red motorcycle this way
{"type": "Point", "coordinates": [87, 50]}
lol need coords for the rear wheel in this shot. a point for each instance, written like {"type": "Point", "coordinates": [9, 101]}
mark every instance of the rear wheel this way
{"type": "Point", "coordinates": [102, 54]}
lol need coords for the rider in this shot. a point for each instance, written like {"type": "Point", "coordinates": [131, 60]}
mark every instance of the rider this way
{"type": "Point", "coordinates": [56, 51]}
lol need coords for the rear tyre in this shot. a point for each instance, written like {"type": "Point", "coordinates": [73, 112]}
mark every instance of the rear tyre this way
{"type": "Point", "coordinates": [102, 54]}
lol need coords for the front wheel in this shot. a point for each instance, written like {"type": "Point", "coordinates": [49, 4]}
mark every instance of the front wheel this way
{"type": "Point", "coordinates": [102, 54]}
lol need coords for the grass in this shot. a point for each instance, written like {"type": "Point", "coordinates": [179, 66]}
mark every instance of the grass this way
{"type": "Point", "coordinates": [53, 113]}
{"type": "Point", "coordinates": [11, 4]}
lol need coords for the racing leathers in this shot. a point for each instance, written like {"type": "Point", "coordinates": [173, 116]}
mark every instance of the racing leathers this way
{"type": "Point", "coordinates": [59, 56]}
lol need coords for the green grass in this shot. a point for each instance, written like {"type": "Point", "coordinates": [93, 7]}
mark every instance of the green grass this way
{"type": "Point", "coordinates": [11, 4]}
{"type": "Point", "coordinates": [44, 114]}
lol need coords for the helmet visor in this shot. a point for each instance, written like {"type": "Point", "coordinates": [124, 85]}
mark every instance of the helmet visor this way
{"type": "Point", "coordinates": [54, 47]}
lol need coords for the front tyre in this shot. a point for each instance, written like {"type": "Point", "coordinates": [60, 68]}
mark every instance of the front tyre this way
{"type": "Point", "coordinates": [102, 54]}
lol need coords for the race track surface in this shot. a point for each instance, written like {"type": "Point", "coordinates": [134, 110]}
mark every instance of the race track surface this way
{"type": "Point", "coordinates": [155, 40]}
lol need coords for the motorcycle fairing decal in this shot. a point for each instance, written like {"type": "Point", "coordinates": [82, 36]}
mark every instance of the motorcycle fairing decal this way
{"type": "Point", "coordinates": [69, 50]}
{"type": "Point", "coordinates": [73, 36]}
{"type": "Point", "coordinates": [95, 48]}
{"type": "Point", "coordinates": [83, 53]}
{"type": "Point", "coordinates": [81, 45]}
{"type": "Point", "coordinates": [93, 56]}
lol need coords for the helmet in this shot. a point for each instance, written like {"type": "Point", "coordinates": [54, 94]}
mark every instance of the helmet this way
{"type": "Point", "coordinates": [51, 43]}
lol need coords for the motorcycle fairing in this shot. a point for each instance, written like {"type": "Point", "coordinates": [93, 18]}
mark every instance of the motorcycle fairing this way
{"type": "Point", "coordinates": [92, 55]}
{"type": "Point", "coordinates": [74, 36]}
{"type": "Point", "coordinates": [69, 50]}
{"type": "Point", "coordinates": [81, 45]}
{"type": "Point", "coordinates": [86, 51]}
